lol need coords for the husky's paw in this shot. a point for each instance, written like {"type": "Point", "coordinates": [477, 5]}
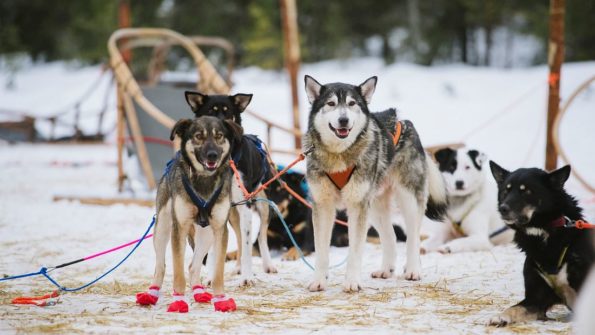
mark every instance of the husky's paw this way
{"type": "Point", "coordinates": [247, 282]}
{"type": "Point", "coordinates": [412, 275]}
{"type": "Point", "coordinates": [500, 320]}
{"type": "Point", "coordinates": [270, 268]}
{"type": "Point", "coordinates": [231, 256]}
{"type": "Point", "coordinates": [422, 251]}
{"type": "Point", "coordinates": [383, 274]}
{"type": "Point", "coordinates": [291, 255]}
{"type": "Point", "coordinates": [317, 286]}
{"type": "Point", "coordinates": [351, 286]}
{"type": "Point", "coordinates": [444, 250]}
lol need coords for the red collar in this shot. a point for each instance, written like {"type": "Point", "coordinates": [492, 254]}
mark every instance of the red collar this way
{"type": "Point", "coordinates": [559, 222]}
{"type": "Point", "coordinates": [566, 222]}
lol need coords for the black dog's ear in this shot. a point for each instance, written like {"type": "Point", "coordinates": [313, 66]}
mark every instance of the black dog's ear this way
{"type": "Point", "coordinates": [559, 177]}
{"type": "Point", "coordinates": [477, 158]}
{"type": "Point", "coordinates": [195, 99]}
{"type": "Point", "coordinates": [180, 128]}
{"type": "Point", "coordinates": [498, 172]}
{"type": "Point", "coordinates": [236, 132]}
{"type": "Point", "coordinates": [368, 87]}
{"type": "Point", "coordinates": [241, 100]}
{"type": "Point", "coordinates": [312, 88]}
{"type": "Point", "coordinates": [443, 154]}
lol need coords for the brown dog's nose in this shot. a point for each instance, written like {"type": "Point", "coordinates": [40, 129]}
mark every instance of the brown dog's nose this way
{"type": "Point", "coordinates": [504, 209]}
{"type": "Point", "coordinates": [212, 155]}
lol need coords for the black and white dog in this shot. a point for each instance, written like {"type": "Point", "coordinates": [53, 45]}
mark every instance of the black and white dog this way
{"type": "Point", "coordinates": [472, 221]}
{"type": "Point", "coordinates": [534, 203]}
{"type": "Point", "coordinates": [251, 161]}
{"type": "Point", "coordinates": [366, 163]}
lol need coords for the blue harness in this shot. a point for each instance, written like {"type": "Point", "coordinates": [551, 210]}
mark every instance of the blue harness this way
{"type": "Point", "coordinates": [263, 156]}
{"type": "Point", "coordinates": [205, 206]}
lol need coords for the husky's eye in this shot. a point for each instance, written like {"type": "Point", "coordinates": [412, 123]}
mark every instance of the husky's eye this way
{"type": "Point", "coordinates": [351, 103]}
{"type": "Point", "coordinates": [467, 167]}
{"type": "Point", "coordinates": [218, 136]}
{"type": "Point", "coordinates": [331, 103]}
{"type": "Point", "coordinates": [199, 136]}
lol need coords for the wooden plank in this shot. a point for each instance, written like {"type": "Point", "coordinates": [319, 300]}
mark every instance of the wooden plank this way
{"type": "Point", "coordinates": [106, 201]}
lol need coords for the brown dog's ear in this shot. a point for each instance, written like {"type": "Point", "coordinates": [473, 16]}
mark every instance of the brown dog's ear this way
{"type": "Point", "coordinates": [241, 100]}
{"type": "Point", "coordinates": [180, 128]}
{"type": "Point", "coordinates": [195, 100]}
{"type": "Point", "coordinates": [498, 172]}
{"type": "Point", "coordinates": [559, 177]}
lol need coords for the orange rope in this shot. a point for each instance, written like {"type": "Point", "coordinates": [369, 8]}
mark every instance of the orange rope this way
{"type": "Point", "coordinates": [582, 224]}
{"type": "Point", "coordinates": [37, 301]}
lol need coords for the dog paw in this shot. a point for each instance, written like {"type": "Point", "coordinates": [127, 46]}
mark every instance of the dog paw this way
{"type": "Point", "coordinates": [231, 256]}
{"type": "Point", "coordinates": [221, 303]}
{"type": "Point", "coordinates": [270, 268]}
{"type": "Point", "coordinates": [444, 250]}
{"type": "Point", "coordinates": [246, 282]}
{"type": "Point", "coordinates": [351, 286]}
{"type": "Point", "coordinates": [412, 275]}
{"type": "Point", "coordinates": [383, 274]}
{"type": "Point", "coordinates": [422, 251]}
{"type": "Point", "coordinates": [178, 306]}
{"type": "Point", "coordinates": [317, 286]}
{"type": "Point", "coordinates": [499, 320]}
{"type": "Point", "coordinates": [291, 255]}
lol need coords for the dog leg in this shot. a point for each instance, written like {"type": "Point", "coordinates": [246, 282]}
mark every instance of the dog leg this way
{"type": "Point", "coordinates": [203, 239]}
{"type": "Point", "coordinates": [440, 233]}
{"type": "Point", "coordinates": [357, 238]}
{"type": "Point", "coordinates": [221, 303]}
{"type": "Point", "coordinates": [476, 227]}
{"type": "Point", "coordinates": [160, 240]}
{"type": "Point", "coordinates": [263, 244]}
{"type": "Point", "coordinates": [413, 212]}
{"type": "Point", "coordinates": [234, 221]}
{"type": "Point", "coordinates": [246, 246]}
{"type": "Point", "coordinates": [178, 246]}
{"type": "Point", "coordinates": [323, 216]}
{"type": "Point", "coordinates": [517, 313]}
{"type": "Point", "coordinates": [381, 221]}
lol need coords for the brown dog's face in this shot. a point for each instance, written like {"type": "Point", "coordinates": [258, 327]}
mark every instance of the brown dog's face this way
{"type": "Point", "coordinates": [207, 142]}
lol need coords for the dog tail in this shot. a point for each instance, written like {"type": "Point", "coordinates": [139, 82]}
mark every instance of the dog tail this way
{"type": "Point", "coordinates": [438, 201]}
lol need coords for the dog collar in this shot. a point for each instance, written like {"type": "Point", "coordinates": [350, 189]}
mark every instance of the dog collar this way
{"type": "Point", "coordinates": [566, 222]}
{"type": "Point", "coordinates": [397, 135]}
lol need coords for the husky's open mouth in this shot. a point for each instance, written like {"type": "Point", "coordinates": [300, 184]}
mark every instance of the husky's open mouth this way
{"type": "Point", "coordinates": [340, 132]}
{"type": "Point", "coordinates": [210, 166]}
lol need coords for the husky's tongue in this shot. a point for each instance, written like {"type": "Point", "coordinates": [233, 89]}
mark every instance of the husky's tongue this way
{"type": "Point", "coordinates": [342, 132]}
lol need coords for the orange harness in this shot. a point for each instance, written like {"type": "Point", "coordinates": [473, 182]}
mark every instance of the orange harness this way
{"type": "Point", "coordinates": [341, 178]}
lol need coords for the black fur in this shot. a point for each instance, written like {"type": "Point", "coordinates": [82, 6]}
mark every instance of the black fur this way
{"type": "Point", "coordinates": [473, 154]}
{"type": "Point", "coordinates": [230, 107]}
{"type": "Point", "coordinates": [545, 193]}
{"type": "Point", "coordinates": [447, 160]}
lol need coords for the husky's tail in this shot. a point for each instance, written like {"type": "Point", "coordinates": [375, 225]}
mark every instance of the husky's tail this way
{"type": "Point", "coordinates": [438, 201]}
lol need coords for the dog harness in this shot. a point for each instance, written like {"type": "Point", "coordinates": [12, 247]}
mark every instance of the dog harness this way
{"type": "Point", "coordinates": [341, 178]}
{"type": "Point", "coordinates": [263, 154]}
{"type": "Point", "coordinates": [549, 275]}
{"type": "Point", "coordinates": [205, 206]}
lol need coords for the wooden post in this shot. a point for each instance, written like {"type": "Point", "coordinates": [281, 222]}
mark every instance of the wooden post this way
{"type": "Point", "coordinates": [292, 57]}
{"type": "Point", "coordinates": [124, 22]}
{"type": "Point", "coordinates": [555, 59]}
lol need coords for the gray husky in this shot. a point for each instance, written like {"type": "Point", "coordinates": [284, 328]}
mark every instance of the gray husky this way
{"type": "Point", "coordinates": [359, 162]}
{"type": "Point", "coordinates": [194, 198]}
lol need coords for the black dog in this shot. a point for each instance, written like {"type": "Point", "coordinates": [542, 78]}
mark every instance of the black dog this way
{"type": "Point", "coordinates": [558, 255]}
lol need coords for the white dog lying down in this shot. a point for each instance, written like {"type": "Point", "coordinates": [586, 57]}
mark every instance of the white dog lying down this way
{"type": "Point", "coordinates": [472, 220]}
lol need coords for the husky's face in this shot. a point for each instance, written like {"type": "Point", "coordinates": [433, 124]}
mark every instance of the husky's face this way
{"type": "Point", "coordinates": [224, 107]}
{"type": "Point", "coordinates": [526, 193]}
{"type": "Point", "coordinates": [462, 170]}
{"type": "Point", "coordinates": [339, 111]}
{"type": "Point", "coordinates": [207, 142]}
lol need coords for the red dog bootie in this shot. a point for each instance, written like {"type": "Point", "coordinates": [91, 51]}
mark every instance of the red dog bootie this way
{"type": "Point", "coordinates": [179, 305]}
{"type": "Point", "coordinates": [223, 303]}
{"type": "Point", "coordinates": [201, 295]}
{"type": "Point", "coordinates": [148, 298]}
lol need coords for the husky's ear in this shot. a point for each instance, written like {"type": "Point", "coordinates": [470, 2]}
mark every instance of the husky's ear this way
{"type": "Point", "coordinates": [235, 134]}
{"type": "Point", "coordinates": [195, 100]}
{"type": "Point", "coordinates": [559, 177]}
{"type": "Point", "coordinates": [443, 155]}
{"type": "Point", "coordinates": [498, 172]}
{"type": "Point", "coordinates": [368, 87]}
{"type": "Point", "coordinates": [180, 128]}
{"type": "Point", "coordinates": [478, 158]}
{"type": "Point", "coordinates": [241, 100]}
{"type": "Point", "coordinates": [312, 88]}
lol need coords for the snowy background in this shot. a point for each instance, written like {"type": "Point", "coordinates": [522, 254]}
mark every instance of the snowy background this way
{"type": "Point", "coordinates": [501, 112]}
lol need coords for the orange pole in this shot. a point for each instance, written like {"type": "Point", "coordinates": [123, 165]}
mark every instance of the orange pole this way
{"type": "Point", "coordinates": [555, 59]}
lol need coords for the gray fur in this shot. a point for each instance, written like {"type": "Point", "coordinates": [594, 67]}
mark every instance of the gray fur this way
{"type": "Point", "coordinates": [384, 173]}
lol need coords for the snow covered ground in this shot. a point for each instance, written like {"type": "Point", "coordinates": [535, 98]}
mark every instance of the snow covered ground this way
{"type": "Point", "coordinates": [456, 295]}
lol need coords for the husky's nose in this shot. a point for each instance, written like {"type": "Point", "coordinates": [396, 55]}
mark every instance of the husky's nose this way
{"type": "Point", "coordinates": [459, 184]}
{"type": "Point", "coordinates": [343, 121]}
{"type": "Point", "coordinates": [504, 209]}
{"type": "Point", "coordinates": [212, 155]}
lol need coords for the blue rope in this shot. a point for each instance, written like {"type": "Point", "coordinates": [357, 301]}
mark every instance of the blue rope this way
{"type": "Point", "coordinates": [276, 209]}
{"type": "Point", "coordinates": [43, 271]}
